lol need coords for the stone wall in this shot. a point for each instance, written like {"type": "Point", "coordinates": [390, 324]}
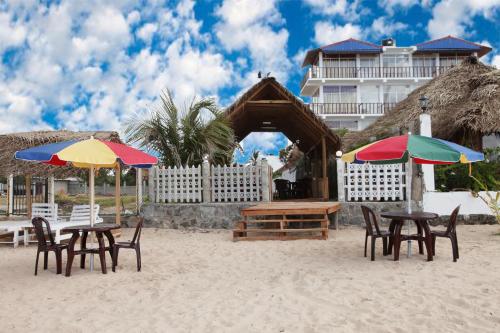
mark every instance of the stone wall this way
{"type": "Point", "coordinates": [225, 215]}
{"type": "Point", "coordinates": [200, 215]}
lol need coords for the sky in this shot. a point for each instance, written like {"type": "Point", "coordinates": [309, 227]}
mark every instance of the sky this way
{"type": "Point", "coordinates": [90, 65]}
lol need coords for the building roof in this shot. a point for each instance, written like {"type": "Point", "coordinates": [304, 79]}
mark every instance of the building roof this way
{"type": "Point", "coordinates": [450, 43]}
{"type": "Point", "coordinates": [10, 143]}
{"type": "Point", "coordinates": [351, 45]}
{"type": "Point", "coordinates": [269, 107]}
{"type": "Point", "coordinates": [348, 46]}
{"type": "Point", "coordinates": [464, 106]}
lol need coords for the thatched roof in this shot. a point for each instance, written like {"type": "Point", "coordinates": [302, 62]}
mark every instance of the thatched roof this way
{"type": "Point", "coordinates": [10, 143]}
{"type": "Point", "coordinates": [464, 106]}
{"type": "Point", "coordinates": [268, 106]}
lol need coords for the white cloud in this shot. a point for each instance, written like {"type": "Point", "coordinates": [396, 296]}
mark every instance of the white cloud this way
{"type": "Point", "coordinates": [327, 33]}
{"type": "Point", "coordinates": [348, 9]}
{"type": "Point", "coordinates": [263, 141]}
{"type": "Point", "coordinates": [455, 17]}
{"type": "Point", "coordinates": [147, 31]}
{"type": "Point", "coordinates": [11, 33]}
{"type": "Point", "coordinates": [254, 26]}
{"type": "Point", "coordinates": [381, 27]}
{"type": "Point", "coordinates": [495, 61]}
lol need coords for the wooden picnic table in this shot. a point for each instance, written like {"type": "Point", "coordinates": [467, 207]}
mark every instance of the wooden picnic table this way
{"type": "Point", "coordinates": [100, 230]}
{"type": "Point", "coordinates": [280, 220]}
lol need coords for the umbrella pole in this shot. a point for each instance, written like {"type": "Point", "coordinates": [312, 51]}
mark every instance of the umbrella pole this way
{"type": "Point", "coordinates": [92, 212]}
{"type": "Point", "coordinates": [408, 198]}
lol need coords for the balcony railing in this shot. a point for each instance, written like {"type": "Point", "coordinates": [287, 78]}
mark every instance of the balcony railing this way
{"type": "Point", "coordinates": [351, 108]}
{"type": "Point", "coordinates": [316, 72]}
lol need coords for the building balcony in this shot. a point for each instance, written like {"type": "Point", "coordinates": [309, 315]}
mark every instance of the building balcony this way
{"type": "Point", "coordinates": [351, 109]}
{"type": "Point", "coordinates": [315, 73]}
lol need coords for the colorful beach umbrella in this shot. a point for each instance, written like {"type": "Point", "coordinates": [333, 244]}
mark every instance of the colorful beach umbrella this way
{"type": "Point", "coordinates": [91, 154]}
{"type": "Point", "coordinates": [421, 149]}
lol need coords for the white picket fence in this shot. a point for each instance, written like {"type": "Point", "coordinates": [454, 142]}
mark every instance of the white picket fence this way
{"type": "Point", "coordinates": [368, 182]}
{"type": "Point", "coordinates": [209, 183]}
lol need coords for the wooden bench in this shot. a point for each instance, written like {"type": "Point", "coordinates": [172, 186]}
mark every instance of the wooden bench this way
{"type": "Point", "coordinates": [290, 225]}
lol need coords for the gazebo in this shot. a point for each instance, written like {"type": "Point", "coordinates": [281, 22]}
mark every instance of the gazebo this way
{"type": "Point", "coordinates": [269, 107]}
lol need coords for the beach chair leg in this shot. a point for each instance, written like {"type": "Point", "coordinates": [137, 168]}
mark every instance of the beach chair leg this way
{"type": "Point", "coordinates": [373, 249]}
{"type": "Point", "coordinates": [45, 259]}
{"type": "Point", "coordinates": [456, 245]}
{"type": "Point", "coordinates": [26, 236]}
{"type": "Point", "coordinates": [115, 258]}
{"type": "Point", "coordinates": [366, 242]}
{"type": "Point", "coordinates": [36, 262]}
{"type": "Point", "coordinates": [384, 244]}
{"type": "Point", "coordinates": [138, 255]}
{"type": "Point", "coordinates": [59, 261]}
{"type": "Point", "coordinates": [15, 239]}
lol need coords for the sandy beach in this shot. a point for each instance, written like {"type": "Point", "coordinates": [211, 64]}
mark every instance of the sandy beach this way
{"type": "Point", "coordinates": [203, 282]}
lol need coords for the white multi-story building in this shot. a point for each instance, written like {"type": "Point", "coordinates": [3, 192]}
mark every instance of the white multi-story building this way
{"type": "Point", "coordinates": [353, 82]}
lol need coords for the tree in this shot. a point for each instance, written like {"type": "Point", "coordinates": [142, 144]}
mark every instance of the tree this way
{"type": "Point", "coordinates": [184, 137]}
{"type": "Point", "coordinates": [255, 157]}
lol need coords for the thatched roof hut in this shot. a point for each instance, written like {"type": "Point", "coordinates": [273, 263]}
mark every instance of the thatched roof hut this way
{"type": "Point", "coordinates": [464, 107]}
{"type": "Point", "coordinates": [10, 143]}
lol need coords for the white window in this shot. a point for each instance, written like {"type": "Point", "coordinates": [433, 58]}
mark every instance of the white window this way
{"type": "Point", "coordinates": [396, 60]}
{"type": "Point", "coordinates": [449, 61]}
{"type": "Point", "coordinates": [339, 94]}
{"type": "Point", "coordinates": [394, 93]}
{"type": "Point", "coordinates": [338, 124]}
{"type": "Point", "coordinates": [424, 61]}
{"type": "Point", "coordinates": [339, 62]}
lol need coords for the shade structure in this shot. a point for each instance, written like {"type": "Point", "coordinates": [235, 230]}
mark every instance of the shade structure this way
{"type": "Point", "coordinates": [421, 149]}
{"type": "Point", "coordinates": [87, 153]}
{"type": "Point", "coordinates": [91, 154]}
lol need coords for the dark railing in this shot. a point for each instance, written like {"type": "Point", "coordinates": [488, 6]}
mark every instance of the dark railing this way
{"type": "Point", "coordinates": [351, 108]}
{"type": "Point", "coordinates": [316, 72]}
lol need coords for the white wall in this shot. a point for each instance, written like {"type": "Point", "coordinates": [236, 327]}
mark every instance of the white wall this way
{"type": "Point", "coordinates": [443, 203]}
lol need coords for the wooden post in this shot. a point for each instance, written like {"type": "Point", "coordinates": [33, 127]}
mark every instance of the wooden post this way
{"type": "Point", "coordinates": [117, 194]}
{"type": "Point", "coordinates": [51, 191]}
{"type": "Point", "coordinates": [205, 171]}
{"type": "Point", "coordinates": [28, 195]}
{"type": "Point", "coordinates": [138, 186]}
{"type": "Point", "coordinates": [10, 195]}
{"type": "Point", "coordinates": [151, 184]}
{"type": "Point", "coordinates": [265, 180]}
{"type": "Point", "coordinates": [340, 180]}
{"type": "Point", "coordinates": [324, 162]}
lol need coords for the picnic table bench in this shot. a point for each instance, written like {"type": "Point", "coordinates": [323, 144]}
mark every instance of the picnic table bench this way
{"type": "Point", "coordinates": [286, 221]}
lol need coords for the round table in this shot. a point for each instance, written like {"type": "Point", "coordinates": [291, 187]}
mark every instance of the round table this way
{"type": "Point", "coordinates": [100, 230]}
{"type": "Point", "coordinates": [421, 220]}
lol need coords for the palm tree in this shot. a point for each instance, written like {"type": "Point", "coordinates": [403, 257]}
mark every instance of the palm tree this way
{"type": "Point", "coordinates": [255, 157]}
{"type": "Point", "coordinates": [184, 138]}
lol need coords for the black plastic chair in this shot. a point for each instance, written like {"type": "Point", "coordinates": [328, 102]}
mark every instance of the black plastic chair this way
{"type": "Point", "coordinates": [450, 232]}
{"type": "Point", "coordinates": [373, 230]}
{"type": "Point", "coordinates": [46, 247]}
{"type": "Point", "coordinates": [133, 244]}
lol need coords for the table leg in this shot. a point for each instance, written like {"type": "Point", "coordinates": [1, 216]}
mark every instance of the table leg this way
{"type": "Point", "coordinates": [71, 251]}
{"type": "Point", "coordinates": [336, 220]}
{"type": "Point", "coordinates": [111, 241]}
{"type": "Point", "coordinates": [428, 239]}
{"type": "Point", "coordinates": [420, 242]}
{"type": "Point", "coordinates": [392, 226]}
{"type": "Point", "coordinates": [397, 239]}
{"type": "Point", "coordinates": [83, 246]}
{"type": "Point", "coordinates": [102, 252]}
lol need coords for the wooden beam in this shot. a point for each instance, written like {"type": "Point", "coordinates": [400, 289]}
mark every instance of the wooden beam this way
{"type": "Point", "coordinates": [117, 194]}
{"type": "Point", "coordinates": [270, 101]}
{"type": "Point", "coordinates": [28, 195]}
{"type": "Point", "coordinates": [324, 162]}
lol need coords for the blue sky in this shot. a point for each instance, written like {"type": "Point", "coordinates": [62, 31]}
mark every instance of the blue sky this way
{"type": "Point", "coordinates": [91, 64]}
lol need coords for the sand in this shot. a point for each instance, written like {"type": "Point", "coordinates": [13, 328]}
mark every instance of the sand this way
{"type": "Point", "coordinates": [203, 282]}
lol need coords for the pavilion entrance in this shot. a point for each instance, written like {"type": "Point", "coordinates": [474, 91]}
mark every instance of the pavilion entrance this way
{"type": "Point", "coordinates": [270, 107]}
